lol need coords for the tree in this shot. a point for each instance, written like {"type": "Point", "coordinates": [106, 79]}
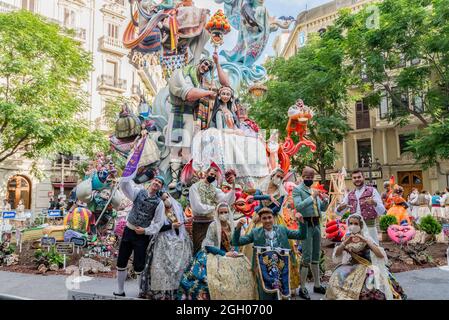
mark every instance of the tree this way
{"type": "Point", "coordinates": [316, 74]}
{"type": "Point", "coordinates": [41, 100]}
{"type": "Point", "coordinates": [404, 57]}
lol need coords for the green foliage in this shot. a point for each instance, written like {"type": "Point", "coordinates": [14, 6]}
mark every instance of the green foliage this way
{"type": "Point", "coordinates": [386, 221]}
{"type": "Point", "coordinates": [430, 225]}
{"type": "Point", "coordinates": [318, 75]}
{"type": "Point", "coordinates": [41, 99]}
{"type": "Point", "coordinates": [407, 54]}
{"type": "Point", "coordinates": [48, 257]}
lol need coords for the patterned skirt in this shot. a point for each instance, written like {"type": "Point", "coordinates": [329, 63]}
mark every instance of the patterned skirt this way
{"type": "Point", "coordinates": [193, 284]}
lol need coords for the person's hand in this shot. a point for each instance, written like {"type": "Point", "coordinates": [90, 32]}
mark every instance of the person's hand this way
{"type": "Point", "coordinates": [360, 238]}
{"type": "Point", "coordinates": [176, 225]}
{"type": "Point", "coordinates": [241, 222]}
{"type": "Point", "coordinates": [370, 201]}
{"type": "Point", "coordinates": [274, 201]}
{"type": "Point", "coordinates": [256, 219]}
{"type": "Point", "coordinates": [211, 94]}
{"type": "Point", "coordinates": [140, 230]}
{"type": "Point", "coordinates": [324, 196]}
{"type": "Point", "coordinates": [232, 254]}
{"type": "Point", "coordinates": [299, 217]}
{"type": "Point", "coordinates": [315, 193]}
{"type": "Point", "coordinates": [347, 241]}
{"type": "Point", "coordinates": [215, 58]}
{"type": "Point", "coordinates": [342, 206]}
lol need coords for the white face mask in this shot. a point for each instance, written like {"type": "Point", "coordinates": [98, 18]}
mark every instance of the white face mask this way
{"type": "Point", "coordinates": [354, 228]}
{"type": "Point", "coordinates": [167, 203]}
{"type": "Point", "coordinates": [224, 217]}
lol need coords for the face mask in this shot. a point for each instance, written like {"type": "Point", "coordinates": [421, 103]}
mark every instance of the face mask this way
{"type": "Point", "coordinates": [354, 228]}
{"type": "Point", "coordinates": [224, 217]}
{"type": "Point", "coordinates": [167, 203]}
{"type": "Point", "coordinates": [210, 179]}
{"type": "Point", "coordinates": [277, 181]}
{"type": "Point", "coordinates": [308, 183]}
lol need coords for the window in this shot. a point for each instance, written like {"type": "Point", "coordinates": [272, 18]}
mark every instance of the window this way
{"type": "Point", "coordinates": [383, 108]}
{"type": "Point", "coordinates": [112, 69]}
{"type": "Point", "coordinates": [69, 18]}
{"type": "Point", "coordinates": [112, 30]}
{"type": "Point", "coordinates": [19, 188]}
{"type": "Point", "coordinates": [400, 102]}
{"type": "Point", "coordinates": [418, 103]}
{"type": "Point", "coordinates": [403, 140]}
{"type": "Point", "coordinates": [364, 152]}
{"type": "Point", "coordinates": [362, 115]}
{"type": "Point", "coordinates": [302, 39]}
{"type": "Point", "coordinates": [29, 5]}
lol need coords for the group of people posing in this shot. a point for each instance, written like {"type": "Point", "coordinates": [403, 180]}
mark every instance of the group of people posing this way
{"type": "Point", "coordinates": [174, 265]}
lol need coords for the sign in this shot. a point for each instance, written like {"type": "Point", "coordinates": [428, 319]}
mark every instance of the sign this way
{"type": "Point", "coordinates": [375, 174]}
{"type": "Point", "coordinates": [48, 241]}
{"type": "Point", "coordinates": [9, 214]}
{"type": "Point", "coordinates": [65, 247]}
{"type": "Point", "coordinates": [79, 242]}
{"type": "Point", "coordinates": [54, 213]}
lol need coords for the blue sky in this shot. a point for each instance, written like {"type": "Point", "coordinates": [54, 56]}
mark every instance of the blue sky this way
{"type": "Point", "coordinates": [275, 8]}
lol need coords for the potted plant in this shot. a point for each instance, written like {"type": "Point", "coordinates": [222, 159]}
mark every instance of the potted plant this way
{"type": "Point", "coordinates": [384, 223]}
{"type": "Point", "coordinates": [430, 226]}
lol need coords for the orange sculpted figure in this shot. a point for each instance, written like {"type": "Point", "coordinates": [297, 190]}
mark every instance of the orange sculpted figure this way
{"type": "Point", "coordinates": [298, 118]}
{"type": "Point", "coordinates": [399, 208]}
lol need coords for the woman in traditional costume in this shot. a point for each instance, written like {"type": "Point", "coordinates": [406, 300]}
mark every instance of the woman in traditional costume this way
{"type": "Point", "coordinates": [362, 273]}
{"type": "Point", "coordinates": [210, 274]}
{"type": "Point", "coordinates": [224, 112]}
{"type": "Point", "coordinates": [172, 253]}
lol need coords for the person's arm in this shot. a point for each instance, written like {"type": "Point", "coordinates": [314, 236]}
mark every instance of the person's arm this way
{"type": "Point", "coordinates": [158, 220]}
{"type": "Point", "coordinates": [215, 250]}
{"type": "Point", "coordinates": [300, 234]}
{"type": "Point", "coordinates": [260, 196]}
{"type": "Point", "coordinates": [443, 200]}
{"type": "Point", "coordinates": [196, 205]}
{"type": "Point", "coordinates": [380, 209]}
{"type": "Point", "coordinates": [238, 240]}
{"type": "Point", "coordinates": [196, 94]}
{"type": "Point", "coordinates": [375, 249]}
{"type": "Point", "coordinates": [222, 76]}
{"type": "Point", "coordinates": [324, 204]}
{"type": "Point", "coordinates": [129, 189]}
{"type": "Point", "coordinates": [300, 203]}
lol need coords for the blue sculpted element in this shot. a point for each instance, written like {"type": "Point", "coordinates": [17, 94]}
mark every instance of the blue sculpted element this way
{"type": "Point", "coordinates": [251, 19]}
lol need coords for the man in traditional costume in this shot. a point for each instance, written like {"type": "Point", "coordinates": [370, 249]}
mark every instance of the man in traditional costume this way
{"type": "Point", "coordinates": [364, 200]}
{"type": "Point", "coordinates": [203, 198]}
{"type": "Point", "coordinates": [189, 91]}
{"type": "Point", "coordinates": [169, 256]}
{"type": "Point", "coordinates": [270, 268]}
{"type": "Point", "coordinates": [309, 204]}
{"type": "Point", "coordinates": [145, 219]}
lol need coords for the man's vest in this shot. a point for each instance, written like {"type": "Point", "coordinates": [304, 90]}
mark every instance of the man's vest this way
{"type": "Point", "coordinates": [143, 210]}
{"type": "Point", "coordinates": [368, 211]}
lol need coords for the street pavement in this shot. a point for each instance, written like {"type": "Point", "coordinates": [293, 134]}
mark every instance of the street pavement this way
{"type": "Point", "coordinates": [424, 284]}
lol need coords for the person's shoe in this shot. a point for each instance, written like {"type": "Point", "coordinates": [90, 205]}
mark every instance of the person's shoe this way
{"type": "Point", "coordinates": [303, 293]}
{"type": "Point", "coordinates": [119, 294]}
{"type": "Point", "coordinates": [320, 290]}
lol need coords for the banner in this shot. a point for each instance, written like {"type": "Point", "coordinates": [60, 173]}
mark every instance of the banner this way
{"type": "Point", "coordinates": [133, 163]}
{"type": "Point", "coordinates": [273, 269]}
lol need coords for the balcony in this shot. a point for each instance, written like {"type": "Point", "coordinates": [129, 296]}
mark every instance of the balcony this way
{"type": "Point", "coordinates": [6, 7]}
{"type": "Point", "coordinates": [115, 8]}
{"type": "Point", "coordinates": [120, 2]}
{"type": "Point", "coordinates": [106, 82]}
{"type": "Point", "coordinates": [112, 45]}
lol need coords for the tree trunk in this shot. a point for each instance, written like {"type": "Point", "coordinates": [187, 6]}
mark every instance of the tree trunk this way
{"type": "Point", "coordinates": [322, 174]}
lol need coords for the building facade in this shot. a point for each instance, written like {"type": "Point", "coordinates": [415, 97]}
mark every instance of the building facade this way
{"type": "Point", "coordinates": [374, 144]}
{"type": "Point", "coordinates": [98, 25]}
